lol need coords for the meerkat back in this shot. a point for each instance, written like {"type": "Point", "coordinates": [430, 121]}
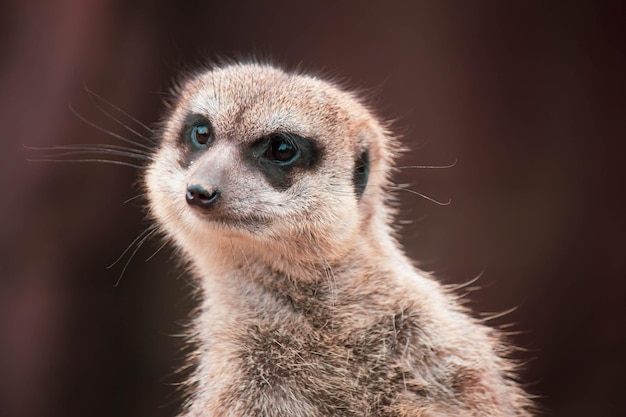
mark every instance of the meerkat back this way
{"type": "Point", "coordinates": [274, 186]}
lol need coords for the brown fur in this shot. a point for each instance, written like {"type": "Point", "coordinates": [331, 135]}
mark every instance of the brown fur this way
{"type": "Point", "coordinates": [310, 308]}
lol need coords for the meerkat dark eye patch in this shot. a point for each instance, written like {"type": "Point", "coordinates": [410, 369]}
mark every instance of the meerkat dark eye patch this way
{"type": "Point", "coordinates": [197, 132]}
{"type": "Point", "coordinates": [280, 155]}
{"type": "Point", "coordinates": [361, 173]}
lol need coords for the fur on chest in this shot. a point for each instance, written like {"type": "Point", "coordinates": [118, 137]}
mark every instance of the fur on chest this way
{"type": "Point", "coordinates": [319, 365]}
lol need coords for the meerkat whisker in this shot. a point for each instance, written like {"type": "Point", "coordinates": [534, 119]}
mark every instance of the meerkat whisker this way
{"type": "Point", "coordinates": [86, 150]}
{"type": "Point", "coordinates": [136, 197]}
{"type": "Point", "coordinates": [147, 231]}
{"type": "Point", "coordinates": [119, 122]}
{"type": "Point", "coordinates": [96, 151]}
{"type": "Point", "coordinates": [133, 253]}
{"type": "Point", "coordinates": [157, 251]}
{"type": "Point", "coordinates": [88, 146]}
{"type": "Point", "coordinates": [417, 193]}
{"type": "Point", "coordinates": [102, 161]}
{"type": "Point", "coordinates": [453, 164]}
{"type": "Point", "coordinates": [108, 132]}
{"type": "Point", "coordinates": [93, 96]}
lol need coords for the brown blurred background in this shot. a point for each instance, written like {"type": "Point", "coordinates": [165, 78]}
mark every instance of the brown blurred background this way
{"type": "Point", "coordinates": [527, 96]}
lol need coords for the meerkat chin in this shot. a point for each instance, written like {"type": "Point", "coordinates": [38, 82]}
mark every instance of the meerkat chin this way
{"type": "Point", "coordinates": [273, 185]}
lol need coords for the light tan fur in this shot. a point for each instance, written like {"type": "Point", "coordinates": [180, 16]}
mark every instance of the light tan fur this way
{"type": "Point", "coordinates": [309, 305]}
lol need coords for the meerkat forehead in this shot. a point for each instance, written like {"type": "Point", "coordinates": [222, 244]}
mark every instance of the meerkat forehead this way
{"type": "Point", "coordinates": [247, 101]}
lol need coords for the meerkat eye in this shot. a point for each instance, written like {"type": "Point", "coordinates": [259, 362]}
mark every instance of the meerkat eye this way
{"type": "Point", "coordinates": [200, 135]}
{"type": "Point", "coordinates": [282, 150]}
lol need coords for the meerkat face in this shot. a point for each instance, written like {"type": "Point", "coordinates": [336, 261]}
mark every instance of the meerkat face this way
{"type": "Point", "coordinates": [281, 160]}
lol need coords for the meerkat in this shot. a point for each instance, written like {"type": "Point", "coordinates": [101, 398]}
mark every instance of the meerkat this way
{"type": "Point", "coordinates": [274, 187]}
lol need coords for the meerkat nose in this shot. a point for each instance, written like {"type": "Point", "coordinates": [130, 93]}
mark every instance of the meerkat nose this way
{"type": "Point", "coordinates": [200, 197]}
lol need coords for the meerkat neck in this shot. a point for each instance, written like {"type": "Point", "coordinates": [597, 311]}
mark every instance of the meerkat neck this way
{"type": "Point", "coordinates": [250, 281]}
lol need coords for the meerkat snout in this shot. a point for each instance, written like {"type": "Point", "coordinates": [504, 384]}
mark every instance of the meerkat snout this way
{"type": "Point", "coordinates": [201, 197]}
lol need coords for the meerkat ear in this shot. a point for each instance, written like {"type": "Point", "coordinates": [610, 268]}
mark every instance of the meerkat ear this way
{"type": "Point", "coordinates": [361, 172]}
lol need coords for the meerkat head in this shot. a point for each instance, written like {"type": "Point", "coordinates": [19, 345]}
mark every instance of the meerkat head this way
{"type": "Point", "coordinates": [279, 164]}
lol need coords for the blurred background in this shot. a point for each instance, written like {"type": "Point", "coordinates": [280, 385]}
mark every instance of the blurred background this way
{"type": "Point", "coordinates": [526, 96]}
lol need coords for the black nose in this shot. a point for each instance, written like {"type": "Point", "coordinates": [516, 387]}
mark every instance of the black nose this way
{"type": "Point", "coordinates": [200, 197]}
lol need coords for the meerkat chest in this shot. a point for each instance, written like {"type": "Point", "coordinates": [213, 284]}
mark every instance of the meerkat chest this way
{"type": "Point", "coordinates": [285, 365]}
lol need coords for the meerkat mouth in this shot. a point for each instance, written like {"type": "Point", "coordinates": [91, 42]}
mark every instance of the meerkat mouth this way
{"type": "Point", "coordinates": [234, 222]}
